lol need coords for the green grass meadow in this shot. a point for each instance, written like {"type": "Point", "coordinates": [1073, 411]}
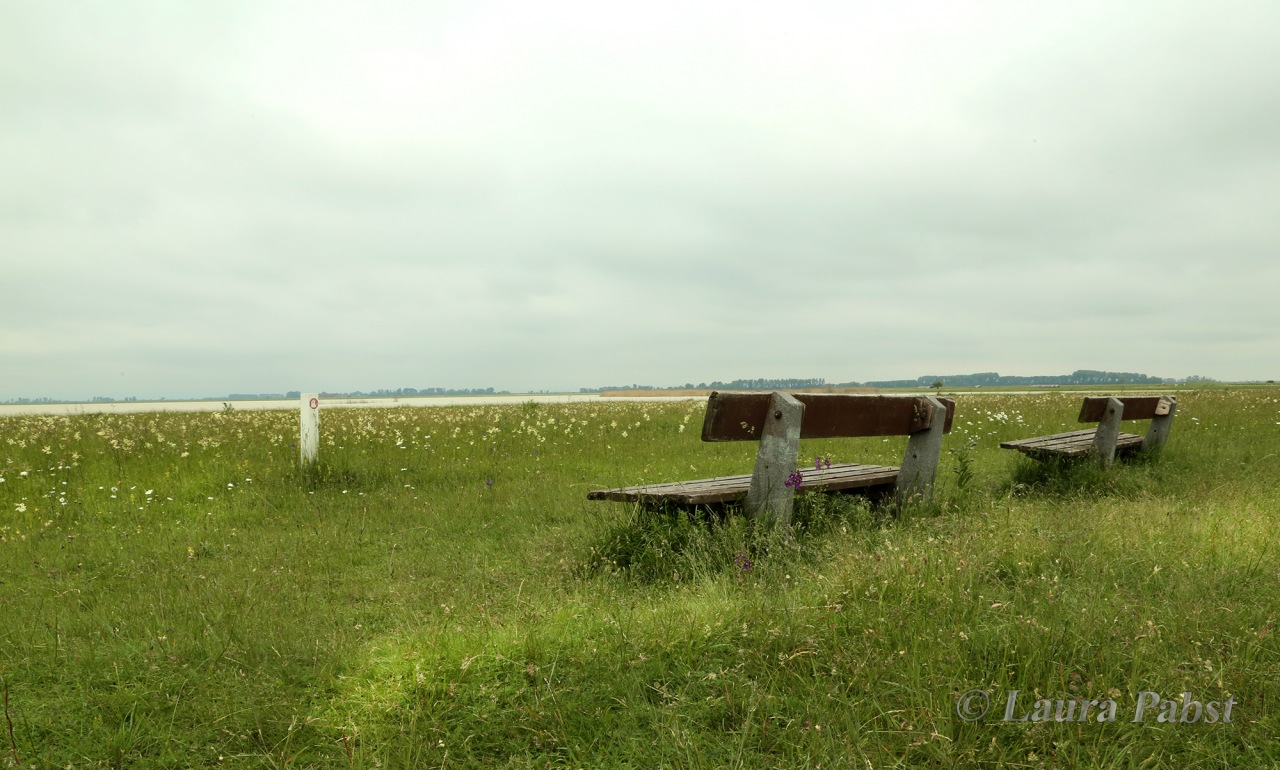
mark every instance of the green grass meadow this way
{"type": "Point", "coordinates": [437, 592]}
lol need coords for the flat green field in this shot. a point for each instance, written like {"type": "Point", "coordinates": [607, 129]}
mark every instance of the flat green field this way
{"type": "Point", "coordinates": [437, 592]}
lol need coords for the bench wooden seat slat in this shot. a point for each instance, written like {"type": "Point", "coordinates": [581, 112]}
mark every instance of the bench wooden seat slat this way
{"type": "Point", "coordinates": [1078, 442]}
{"type": "Point", "coordinates": [725, 489]}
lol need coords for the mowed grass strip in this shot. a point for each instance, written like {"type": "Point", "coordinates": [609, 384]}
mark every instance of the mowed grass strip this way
{"type": "Point", "coordinates": [176, 592]}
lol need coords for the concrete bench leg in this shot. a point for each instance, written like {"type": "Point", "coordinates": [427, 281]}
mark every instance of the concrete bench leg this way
{"type": "Point", "coordinates": [776, 459]}
{"type": "Point", "coordinates": [920, 463]}
{"type": "Point", "coordinates": [1161, 424]}
{"type": "Point", "coordinates": [1104, 440]}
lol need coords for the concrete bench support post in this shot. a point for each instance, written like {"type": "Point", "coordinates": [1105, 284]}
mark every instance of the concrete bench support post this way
{"type": "Point", "coordinates": [1161, 424]}
{"type": "Point", "coordinates": [920, 463]}
{"type": "Point", "coordinates": [776, 459]}
{"type": "Point", "coordinates": [1104, 440]}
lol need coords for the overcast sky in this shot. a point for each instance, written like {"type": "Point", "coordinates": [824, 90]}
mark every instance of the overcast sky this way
{"type": "Point", "coordinates": [202, 198]}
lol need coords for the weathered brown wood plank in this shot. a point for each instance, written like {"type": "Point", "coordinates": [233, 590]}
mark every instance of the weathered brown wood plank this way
{"type": "Point", "coordinates": [742, 416]}
{"type": "Point", "coordinates": [1073, 443]}
{"type": "Point", "coordinates": [1135, 407]}
{"type": "Point", "coordinates": [729, 488]}
{"type": "Point", "coordinates": [1072, 437]}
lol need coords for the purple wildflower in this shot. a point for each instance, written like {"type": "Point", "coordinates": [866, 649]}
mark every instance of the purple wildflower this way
{"type": "Point", "coordinates": [488, 483]}
{"type": "Point", "coordinates": [742, 561]}
{"type": "Point", "coordinates": [821, 462]}
{"type": "Point", "coordinates": [794, 481]}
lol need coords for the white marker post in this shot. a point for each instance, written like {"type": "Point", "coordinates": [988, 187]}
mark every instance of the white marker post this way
{"type": "Point", "coordinates": [309, 440]}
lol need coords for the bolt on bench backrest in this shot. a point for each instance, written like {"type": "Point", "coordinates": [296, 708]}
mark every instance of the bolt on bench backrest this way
{"type": "Point", "coordinates": [779, 420]}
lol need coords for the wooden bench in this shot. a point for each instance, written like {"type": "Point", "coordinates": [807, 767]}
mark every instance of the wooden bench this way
{"type": "Point", "coordinates": [1106, 441]}
{"type": "Point", "coordinates": [779, 420]}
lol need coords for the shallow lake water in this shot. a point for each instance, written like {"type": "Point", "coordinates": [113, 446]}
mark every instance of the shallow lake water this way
{"type": "Point", "coordinates": [127, 407]}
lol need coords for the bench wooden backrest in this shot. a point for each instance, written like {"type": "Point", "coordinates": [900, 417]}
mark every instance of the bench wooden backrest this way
{"type": "Point", "coordinates": [1108, 411]}
{"type": "Point", "coordinates": [742, 416]}
{"type": "Point", "coordinates": [779, 420]}
{"type": "Point", "coordinates": [1135, 407]}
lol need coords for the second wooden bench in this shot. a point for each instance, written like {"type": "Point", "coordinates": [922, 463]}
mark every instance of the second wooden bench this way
{"type": "Point", "coordinates": [1105, 441]}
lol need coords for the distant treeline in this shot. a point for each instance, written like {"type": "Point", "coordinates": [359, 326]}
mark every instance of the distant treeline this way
{"type": "Point", "coordinates": [989, 379]}
{"type": "Point", "coordinates": [812, 382]}
{"type": "Point", "coordinates": [977, 380]}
